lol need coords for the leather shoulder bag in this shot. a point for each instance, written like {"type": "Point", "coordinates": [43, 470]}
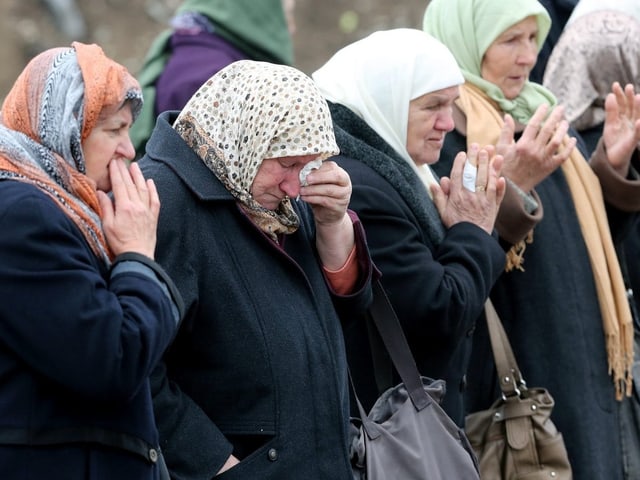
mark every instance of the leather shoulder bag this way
{"type": "Point", "coordinates": [515, 438]}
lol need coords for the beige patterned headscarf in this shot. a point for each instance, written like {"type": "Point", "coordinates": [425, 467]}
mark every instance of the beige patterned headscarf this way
{"type": "Point", "coordinates": [593, 52]}
{"type": "Point", "coordinates": [250, 111]}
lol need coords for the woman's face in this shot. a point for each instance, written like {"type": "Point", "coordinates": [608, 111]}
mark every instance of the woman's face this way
{"type": "Point", "coordinates": [108, 140]}
{"type": "Point", "coordinates": [277, 178]}
{"type": "Point", "coordinates": [510, 58]}
{"type": "Point", "coordinates": [430, 118]}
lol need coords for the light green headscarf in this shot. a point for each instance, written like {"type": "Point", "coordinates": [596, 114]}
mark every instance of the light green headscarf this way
{"type": "Point", "coordinates": [469, 27]}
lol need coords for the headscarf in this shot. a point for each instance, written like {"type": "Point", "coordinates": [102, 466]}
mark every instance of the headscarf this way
{"type": "Point", "coordinates": [378, 76]}
{"type": "Point", "coordinates": [257, 28]}
{"type": "Point", "coordinates": [585, 7]}
{"type": "Point", "coordinates": [469, 27]}
{"type": "Point", "coordinates": [250, 111]}
{"type": "Point", "coordinates": [594, 51]}
{"type": "Point", "coordinates": [479, 23]}
{"type": "Point", "coordinates": [51, 109]}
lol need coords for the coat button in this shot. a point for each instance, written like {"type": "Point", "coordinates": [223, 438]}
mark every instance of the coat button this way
{"type": "Point", "coordinates": [153, 455]}
{"type": "Point", "coordinates": [272, 454]}
{"type": "Point", "coordinates": [471, 331]}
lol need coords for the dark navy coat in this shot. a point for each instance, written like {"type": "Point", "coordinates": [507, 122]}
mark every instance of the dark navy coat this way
{"type": "Point", "coordinates": [77, 344]}
{"type": "Point", "coordinates": [258, 367]}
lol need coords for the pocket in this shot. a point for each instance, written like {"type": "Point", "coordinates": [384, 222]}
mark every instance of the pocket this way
{"type": "Point", "coordinates": [256, 461]}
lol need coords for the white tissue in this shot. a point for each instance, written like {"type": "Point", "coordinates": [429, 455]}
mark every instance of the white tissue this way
{"type": "Point", "coordinates": [469, 176]}
{"type": "Point", "coordinates": [313, 165]}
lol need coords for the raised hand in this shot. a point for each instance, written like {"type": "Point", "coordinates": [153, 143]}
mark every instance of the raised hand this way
{"type": "Point", "coordinates": [328, 192]}
{"type": "Point", "coordinates": [621, 132]}
{"type": "Point", "coordinates": [131, 219]}
{"type": "Point", "coordinates": [456, 203]}
{"type": "Point", "coordinates": [541, 148]}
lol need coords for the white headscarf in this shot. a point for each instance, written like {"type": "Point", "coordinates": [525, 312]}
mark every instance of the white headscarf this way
{"type": "Point", "coordinates": [378, 76]}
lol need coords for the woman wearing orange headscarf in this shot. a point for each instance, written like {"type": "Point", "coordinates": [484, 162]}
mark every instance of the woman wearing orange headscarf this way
{"type": "Point", "coordinates": [85, 311]}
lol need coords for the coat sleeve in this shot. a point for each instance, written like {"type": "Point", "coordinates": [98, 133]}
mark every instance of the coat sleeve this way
{"type": "Point", "coordinates": [446, 284]}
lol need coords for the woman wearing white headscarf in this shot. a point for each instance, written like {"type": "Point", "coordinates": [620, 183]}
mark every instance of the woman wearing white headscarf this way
{"type": "Point", "coordinates": [255, 384]}
{"type": "Point", "coordinates": [565, 309]}
{"type": "Point", "coordinates": [390, 96]}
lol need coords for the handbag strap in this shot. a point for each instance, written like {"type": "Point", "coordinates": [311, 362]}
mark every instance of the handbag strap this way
{"type": "Point", "coordinates": [509, 375]}
{"type": "Point", "coordinates": [390, 330]}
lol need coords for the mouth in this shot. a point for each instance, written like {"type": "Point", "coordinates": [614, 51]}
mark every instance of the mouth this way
{"type": "Point", "coordinates": [518, 78]}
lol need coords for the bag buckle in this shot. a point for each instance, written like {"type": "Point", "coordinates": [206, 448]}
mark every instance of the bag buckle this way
{"type": "Point", "coordinates": [512, 386]}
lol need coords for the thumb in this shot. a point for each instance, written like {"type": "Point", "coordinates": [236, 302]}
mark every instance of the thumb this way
{"type": "Point", "coordinates": [439, 196]}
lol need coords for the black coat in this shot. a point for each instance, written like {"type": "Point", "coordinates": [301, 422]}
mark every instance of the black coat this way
{"type": "Point", "coordinates": [258, 367]}
{"type": "Point", "coordinates": [437, 281]}
{"type": "Point", "coordinates": [552, 317]}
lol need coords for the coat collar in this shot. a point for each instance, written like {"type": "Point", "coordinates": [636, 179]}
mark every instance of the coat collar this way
{"type": "Point", "coordinates": [167, 147]}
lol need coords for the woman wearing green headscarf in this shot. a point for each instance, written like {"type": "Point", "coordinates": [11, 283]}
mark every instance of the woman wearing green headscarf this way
{"type": "Point", "coordinates": [205, 36]}
{"type": "Point", "coordinates": [562, 298]}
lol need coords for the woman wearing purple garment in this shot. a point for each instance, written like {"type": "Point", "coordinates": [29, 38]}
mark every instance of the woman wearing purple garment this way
{"type": "Point", "coordinates": [206, 36]}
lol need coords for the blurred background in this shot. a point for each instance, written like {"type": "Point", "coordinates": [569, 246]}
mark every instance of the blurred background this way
{"type": "Point", "coordinates": [125, 28]}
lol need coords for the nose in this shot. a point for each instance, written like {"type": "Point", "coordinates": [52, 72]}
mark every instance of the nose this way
{"type": "Point", "coordinates": [126, 149]}
{"type": "Point", "coordinates": [291, 183]}
{"type": "Point", "coordinates": [445, 122]}
{"type": "Point", "coordinates": [529, 54]}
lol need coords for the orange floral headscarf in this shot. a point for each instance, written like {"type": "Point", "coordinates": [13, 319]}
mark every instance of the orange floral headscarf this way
{"type": "Point", "coordinates": [51, 109]}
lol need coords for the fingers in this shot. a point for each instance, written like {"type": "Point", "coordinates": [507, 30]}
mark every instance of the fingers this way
{"type": "Point", "coordinates": [120, 179]}
{"type": "Point", "coordinates": [139, 182]}
{"type": "Point", "coordinates": [483, 174]}
{"type": "Point", "coordinates": [507, 132]}
{"type": "Point", "coordinates": [439, 196]}
{"type": "Point", "coordinates": [129, 184]}
{"type": "Point", "coordinates": [534, 126]}
{"type": "Point", "coordinates": [154, 197]}
{"type": "Point", "coordinates": [564, 151]}
{"type": "Point", "coordinates": [620, 96]}
{"type": "Point", "coordinates": [611, 109]}
{"type": "Point", "coordinates": [456, 203]}
{"type": "Point", "coordinates": [328, 192]}
{"type": "Point", "coordinates": [487, 169]}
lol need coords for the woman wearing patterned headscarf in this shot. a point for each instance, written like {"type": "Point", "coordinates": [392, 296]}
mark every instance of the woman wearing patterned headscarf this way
{"type": "Point", "coordinates": [595, 50]}
{"type": "Point", "coordinates": [86, 312]}
{"type": "Point", "coordinates": [564, 306]}
{"type": "Point", "coordinates": [391, 111]}
{"type": "Point", "coordinates": [255, 384]}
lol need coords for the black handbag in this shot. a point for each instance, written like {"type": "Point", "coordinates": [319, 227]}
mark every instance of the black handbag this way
{"type": "Point", "coordinates": [407, 435]}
